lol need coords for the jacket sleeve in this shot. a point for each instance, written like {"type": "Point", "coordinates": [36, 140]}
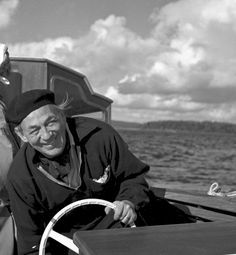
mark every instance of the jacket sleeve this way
{"type": "Point", "coordinates": [29, 220]}
{"type": "Point", "coordinates": [130, 172]}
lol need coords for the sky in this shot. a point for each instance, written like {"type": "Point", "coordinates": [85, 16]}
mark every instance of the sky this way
{"type": "Point", "coordinates": [156, 59]}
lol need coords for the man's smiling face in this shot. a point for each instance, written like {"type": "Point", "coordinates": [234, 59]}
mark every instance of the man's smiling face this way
{"type": "Point", "coordinates": [45, 130]}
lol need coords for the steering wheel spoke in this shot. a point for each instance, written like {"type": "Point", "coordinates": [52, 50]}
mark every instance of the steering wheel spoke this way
{"type": "Point", "coordinates": [49, 232]}
{"type": "Point", "coordinates": [66, 241]}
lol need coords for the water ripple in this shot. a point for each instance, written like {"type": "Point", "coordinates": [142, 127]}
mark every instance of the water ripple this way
{"type": "Point", "coordinates": [185, 158]}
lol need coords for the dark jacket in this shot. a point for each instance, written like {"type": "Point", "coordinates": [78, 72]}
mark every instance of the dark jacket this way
{"type": "Point", "coordinates": [35, 198]}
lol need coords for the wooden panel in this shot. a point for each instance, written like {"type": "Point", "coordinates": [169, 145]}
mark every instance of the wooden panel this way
{"type": "Point", "coordinates": [84, 99]}
{"type": "Point", "coordinates": [207, 238]}
{"type": "Point", "coordinates": [212, 208]}
{"type": "Point", "coordinates": [209, 215]}
{"type": "Point", "coordinates": [216, 202]}
{"type": "Point", "coordinates": [43, 73]}
{"type": "Point", "coordinates": [33, 73]}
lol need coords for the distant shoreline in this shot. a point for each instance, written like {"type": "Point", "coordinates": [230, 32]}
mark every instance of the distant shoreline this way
{"type": "Point", "coordinates": [178, 126]}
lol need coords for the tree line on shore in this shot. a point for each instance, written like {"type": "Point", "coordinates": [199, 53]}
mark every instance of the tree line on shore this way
{"type": "Point", "coordinates": [172, 125]}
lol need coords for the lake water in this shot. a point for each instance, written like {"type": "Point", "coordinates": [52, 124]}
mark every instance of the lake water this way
{"type": "Point", "coordinates": [185, 160]}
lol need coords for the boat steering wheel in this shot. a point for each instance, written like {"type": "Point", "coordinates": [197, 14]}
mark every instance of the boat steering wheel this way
{"type": "Point", "coordinates": [49, 232]}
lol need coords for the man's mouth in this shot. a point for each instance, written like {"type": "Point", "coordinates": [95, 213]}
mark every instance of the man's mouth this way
{"type": "Point", "coordinates": [51, 144]}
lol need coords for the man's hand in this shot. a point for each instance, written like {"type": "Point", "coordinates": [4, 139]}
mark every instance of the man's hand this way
{"type": "Point", "coordinates": [124, 211]}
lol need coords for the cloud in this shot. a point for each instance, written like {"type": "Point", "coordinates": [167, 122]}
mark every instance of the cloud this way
{"type": "Point", "coordinates": [200, 37]}
{"type": "Point", "coordinates": [196, 61]}
{"type": "Point", "coordinates": [185, 69]}
{"type": "Point", "coordinates": [7, 9]}
{"type": "Point", "coordinates": [104, 54]}
{"type": "Point", "coordinates": [55, 49]}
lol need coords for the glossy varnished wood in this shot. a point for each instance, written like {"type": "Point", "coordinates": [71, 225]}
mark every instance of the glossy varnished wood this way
{"type": "Point", "coordinates": [195, 238]}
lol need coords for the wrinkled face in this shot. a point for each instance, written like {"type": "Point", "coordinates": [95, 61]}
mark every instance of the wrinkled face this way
{"type": "Point", "coordinates": [45, 130]}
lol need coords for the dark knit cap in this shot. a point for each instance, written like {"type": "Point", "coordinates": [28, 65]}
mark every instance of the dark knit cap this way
{"type": "Point", "coordinates": [27, 102]}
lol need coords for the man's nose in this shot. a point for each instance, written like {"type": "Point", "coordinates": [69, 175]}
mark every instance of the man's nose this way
{"type": "Point", "coordinates": [46, 134]}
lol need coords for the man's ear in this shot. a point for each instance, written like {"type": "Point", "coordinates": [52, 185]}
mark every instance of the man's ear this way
{"type": "Point", "coordinates": [19, 132]}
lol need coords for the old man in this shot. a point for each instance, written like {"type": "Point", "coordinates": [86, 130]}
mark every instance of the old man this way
{"type": "Point", "coordinates": [65, 160]}
{"type": "Point", "coordinates": [68, 159]}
